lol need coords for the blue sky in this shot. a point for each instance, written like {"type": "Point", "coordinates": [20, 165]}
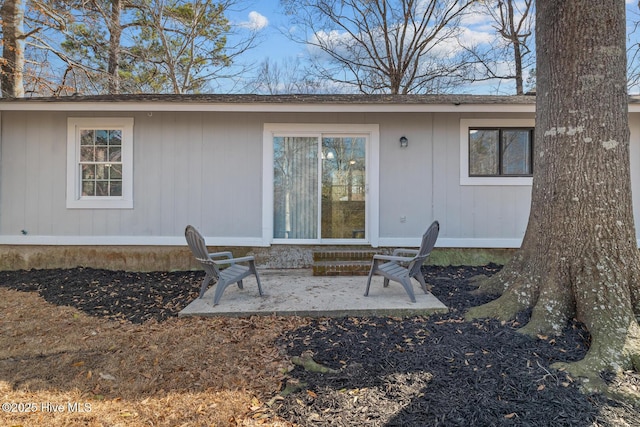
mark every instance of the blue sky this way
{"type": "Point", "coordinates": [266, 17]}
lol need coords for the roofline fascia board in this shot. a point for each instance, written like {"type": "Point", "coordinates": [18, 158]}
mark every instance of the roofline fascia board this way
{"type": "Point", "coordinates": [266, 108]}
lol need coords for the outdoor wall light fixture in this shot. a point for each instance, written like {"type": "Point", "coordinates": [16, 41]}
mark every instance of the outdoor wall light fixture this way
{"type": "Point", "coordinates": [404, 142]}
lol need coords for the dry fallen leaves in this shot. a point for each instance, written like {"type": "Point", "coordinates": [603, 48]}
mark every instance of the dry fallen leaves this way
{"type": "Point", "coordinates": [194, 371]}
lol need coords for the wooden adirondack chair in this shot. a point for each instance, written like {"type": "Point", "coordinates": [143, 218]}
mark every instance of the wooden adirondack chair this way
{"type": "Point", "coordinates": [234, 273]}
{"type": "Point", "coordinates": [402, 268]}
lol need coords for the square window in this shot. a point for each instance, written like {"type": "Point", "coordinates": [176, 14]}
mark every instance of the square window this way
{"type": "Point", "coordinates": [516, 152]}
{"type": "Point", "coordinates": [116, 188]}
{"type": "Point", "coordinates": [483, 152]}
{"type": "Point", "coordinates": [500, 152]}
{"type": "Point", "coordinates": [115, 137]}
{"type": "Point", "coordinates": [115, 153]}
{"type": "Point", "coordinates": [88, 188]}
{"type": "Point", "coordinates": [100, 163]}
{"type": "Point", "coordinates": [87, 153]}
{"type": "Point", "coordinates": [497, 151]}
{"type": "Point", "coordinates": [115, 172]}
{"type": "Point", "coordinates": [86, 137]}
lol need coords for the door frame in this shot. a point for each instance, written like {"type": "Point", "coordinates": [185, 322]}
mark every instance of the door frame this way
{"type": "Point", "coordinates": [372, 168]}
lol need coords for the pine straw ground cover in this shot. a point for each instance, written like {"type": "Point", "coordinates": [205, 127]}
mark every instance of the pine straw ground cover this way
{"type": "Point", "coordinates": [101, 348]}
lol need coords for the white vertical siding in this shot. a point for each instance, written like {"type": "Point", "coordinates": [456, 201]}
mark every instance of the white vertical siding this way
{"type": "Point", "coordinates": [12, 194]}
{"type": "Point", "coordinates": [634, 153]}
{"type": "Point", "coordinates": [406, 176]}
{"type": "Point", "coordinates": [490, 216]}
{"type": "Point", "coordinates": [196, 168]}
{"type": "Point", "coordinates": [33, 189]}
{"type": "Point", "coordinates": [205, 169]}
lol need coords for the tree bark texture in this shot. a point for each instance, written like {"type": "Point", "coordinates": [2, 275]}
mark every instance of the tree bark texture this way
{"type": "Point", "coordinates": [115, 31]}
{"type": "Point", "coordinates": [579, 257]}
{"type": "Point", "coordinates": [515, 42]}
{"type": "Point", "coordinates": [12, 79]}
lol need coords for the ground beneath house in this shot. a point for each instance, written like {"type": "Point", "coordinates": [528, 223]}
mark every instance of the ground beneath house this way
{"type": "Point", "coordinates": [112, 340]}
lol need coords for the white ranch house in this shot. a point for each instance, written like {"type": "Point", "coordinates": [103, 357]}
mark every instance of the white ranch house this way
{"type": "Point", "coordinates": [114, 180]}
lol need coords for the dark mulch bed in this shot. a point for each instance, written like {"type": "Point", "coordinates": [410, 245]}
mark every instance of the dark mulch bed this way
{"type": "Point", "coordinates": [441, 371]}
{"type": "Point", "coordinates": [419, 371]}
{"type": "Point", "coordinates": [117, 295]}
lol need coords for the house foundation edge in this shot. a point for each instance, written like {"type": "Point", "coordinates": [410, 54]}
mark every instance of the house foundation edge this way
{"type": "Point", "coordinates": [177, 258]}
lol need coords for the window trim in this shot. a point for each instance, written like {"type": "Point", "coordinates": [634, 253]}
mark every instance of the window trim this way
{"type": "Point", "coordinates": [501, 130]}
{"type": "Point", "coordinates": [503, 180]}
{"type": "Point", "coordinates": [75, 200]}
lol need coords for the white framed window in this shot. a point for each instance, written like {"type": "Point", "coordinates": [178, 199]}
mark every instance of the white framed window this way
{"type": "Point", "coordinates": [496, 151]}
{"type": "Point", "coordinates": [100, 162]}
{"type": "Point", "coordinates": [320, 183]}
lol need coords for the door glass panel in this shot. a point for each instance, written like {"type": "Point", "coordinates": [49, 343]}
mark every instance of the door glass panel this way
{"type": "Point", "coordinates": [295, 186]}
{"type": "Point", "coordinates": [343, 188]}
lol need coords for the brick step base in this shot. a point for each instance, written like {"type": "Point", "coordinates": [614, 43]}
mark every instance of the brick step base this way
{"type": "Point", "coordinates": [344, 255]}
{"type": "Point", "coordinates": [341, 268]}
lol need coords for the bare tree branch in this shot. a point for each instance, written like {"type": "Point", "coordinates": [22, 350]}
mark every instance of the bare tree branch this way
{"type": "Point", "coordinates": [513, 21]}
{"type": "Point", "coordinates": [378, 46]}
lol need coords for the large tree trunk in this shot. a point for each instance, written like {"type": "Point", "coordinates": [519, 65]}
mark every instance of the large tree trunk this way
{"type": "Point", "coordinates": [12, 14]}
{"type": "Point", "coordinates": [579, 256]}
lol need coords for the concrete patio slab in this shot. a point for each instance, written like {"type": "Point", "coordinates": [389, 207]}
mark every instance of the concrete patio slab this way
{"type": "Point", "coordinates": [298, 292]}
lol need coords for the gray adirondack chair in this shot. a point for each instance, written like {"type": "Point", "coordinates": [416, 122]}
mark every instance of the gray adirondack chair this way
{"type": "Point", "coordinates": [211, 262]}
{"type": "Point", "coordinates": [402, 268]}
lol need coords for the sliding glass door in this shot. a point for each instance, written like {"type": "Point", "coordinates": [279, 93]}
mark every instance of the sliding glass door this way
{"type": "Point", "coordinates": [319, 187]}
{"type": "Point", "coordinates": [343, 188]}
{"type": "Point", "coordinates": [295, 187]}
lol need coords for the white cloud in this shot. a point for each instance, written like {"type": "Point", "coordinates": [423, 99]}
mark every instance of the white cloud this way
{"type": "Point", "coordinates": [470, 37]}
{"type": "Point", "coordinates": [476, 19]}
{"type": "Point", "coordinates": [343, 43]}
{"type": "Point", "coordinates": [256, 21]}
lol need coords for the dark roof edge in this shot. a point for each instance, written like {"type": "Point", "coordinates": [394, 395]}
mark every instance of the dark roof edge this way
{"type": "Point", "coordinates": [286, 99]}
